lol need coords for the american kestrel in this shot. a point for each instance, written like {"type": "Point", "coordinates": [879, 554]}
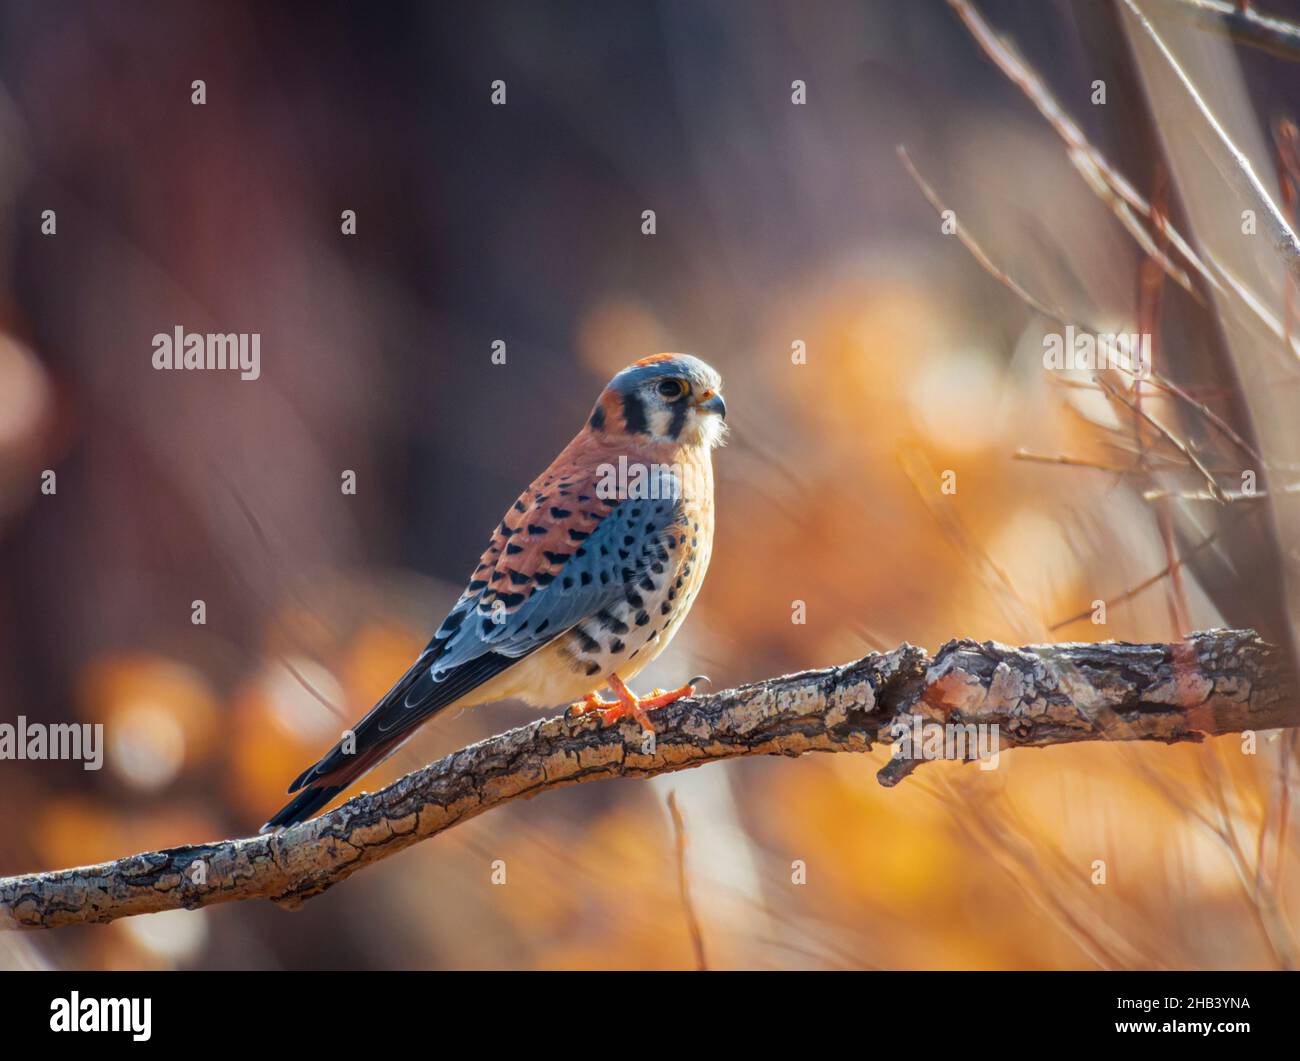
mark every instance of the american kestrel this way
{"type": "Point", "coordinates": [584, 582]}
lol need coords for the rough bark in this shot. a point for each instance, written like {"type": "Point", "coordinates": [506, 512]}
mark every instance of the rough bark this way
{"type": "Point", "coordinates": [1219, 682]}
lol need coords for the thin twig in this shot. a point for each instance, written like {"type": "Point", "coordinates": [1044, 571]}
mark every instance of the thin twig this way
{"type": "Point", "coordinates": [1142, 586]}
{"type": "Point", "coordinates": [683, 885]}
{"type": "Point", "coordinates": [1232, 163]}
{"type": "Point", "coordinates": [1170, 437]}
{"type": "Point", "coordinates": [1023, 454]}
{"type": "Point", "coordinates": [1112, 187]}
{"type": "Point", "coordinates": [1242, 23]}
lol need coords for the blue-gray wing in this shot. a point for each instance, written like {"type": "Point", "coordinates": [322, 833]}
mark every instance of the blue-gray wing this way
{"type": "Point", "coordinates": [609, 563]}
{"type": "Point", "coordinates": [577, 563]}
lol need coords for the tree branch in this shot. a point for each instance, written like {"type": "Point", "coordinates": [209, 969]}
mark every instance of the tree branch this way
{"type": "Point", "coordinates": [1223, 681]}
{"type": "Point", "coordinates": [1242, 23]}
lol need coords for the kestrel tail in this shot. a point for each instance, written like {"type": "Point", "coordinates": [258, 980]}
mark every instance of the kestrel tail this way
{"type": "Point", "coordinates": [584, 582]}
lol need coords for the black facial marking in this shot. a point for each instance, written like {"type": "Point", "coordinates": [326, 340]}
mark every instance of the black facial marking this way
{"type": "Point", "coordinates": [679, 419]}
{"type": "Point", "coordinates": [634, 414]}
{"type": "Point", "coordinates": [597, 420]}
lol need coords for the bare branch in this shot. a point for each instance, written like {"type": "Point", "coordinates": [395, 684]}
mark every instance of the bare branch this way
{"type": "Point", "coordinates": [976, 251]}
{"type": "Point", "coordinates": [1142, 586]}
{"type": "Point", "coordinates": [1034, 303]}
{"type": "Point", "coordinates": [1169, 436]}
{"type": "Point", "coordinates": [1231, 495]}
{"type": "Point", "coordinates": [1065, 459]}
{"type": "Point", "coordinates": [1103, 178]}
{"type": "Point", "coordinates": [1114, 189]}
{"type": "Point", "coordinates": [1242, 23]}
{"type": "Point", "coordinates": [1231, 161]}
{"type": "Point", "coordinates": [1223, 681]}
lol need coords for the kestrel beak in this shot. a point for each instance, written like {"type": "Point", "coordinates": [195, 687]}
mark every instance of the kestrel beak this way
{"type": "Point", "coordinates": [712, 403]}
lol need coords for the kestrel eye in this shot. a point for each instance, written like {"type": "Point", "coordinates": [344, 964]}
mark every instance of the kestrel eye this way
{"type": "Point", "coordinates": [671, 388]}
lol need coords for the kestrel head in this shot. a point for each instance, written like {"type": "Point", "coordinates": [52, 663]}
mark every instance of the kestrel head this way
{"type": "Point", "coordinates": [672, 398]}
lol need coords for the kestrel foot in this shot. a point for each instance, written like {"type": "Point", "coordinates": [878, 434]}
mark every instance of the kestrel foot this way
{"type": "Point", "coordinates": [632, 706]}
{"type": "Point", "coordinates": [659, 698]}
{"type": "Point", "coordinates": [589, 703]}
